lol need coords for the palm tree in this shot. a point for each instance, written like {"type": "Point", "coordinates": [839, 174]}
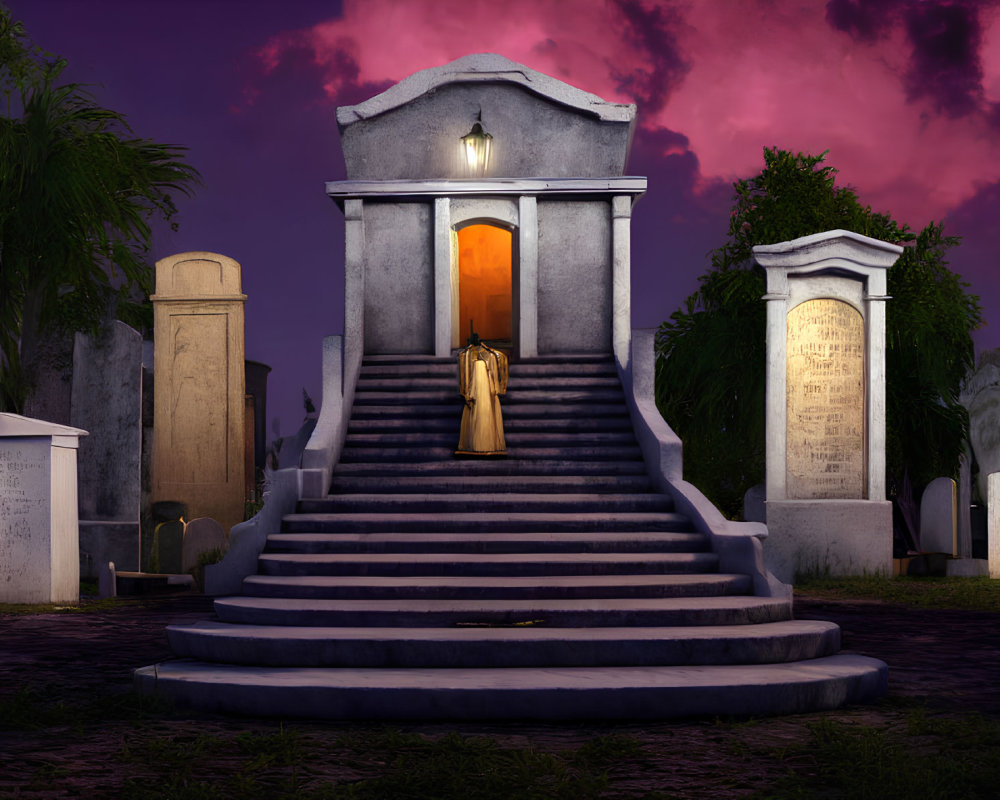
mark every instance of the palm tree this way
{"type": "Point", "coordinates": [78, 195]}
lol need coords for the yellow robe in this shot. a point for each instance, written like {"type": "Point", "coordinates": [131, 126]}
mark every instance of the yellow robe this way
{"type": "Point", "coordinates": [482, 376]}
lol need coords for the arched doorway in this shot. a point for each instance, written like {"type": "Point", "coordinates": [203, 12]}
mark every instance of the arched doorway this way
{"type": "Point", "coordinates": [485, 283]}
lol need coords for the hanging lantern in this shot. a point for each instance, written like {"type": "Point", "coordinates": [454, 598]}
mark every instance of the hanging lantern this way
{"type": "Point", "coordinates": [476, 145]}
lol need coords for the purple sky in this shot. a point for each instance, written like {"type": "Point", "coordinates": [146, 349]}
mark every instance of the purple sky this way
{"type": "Point", "coordinates": [904, 93]}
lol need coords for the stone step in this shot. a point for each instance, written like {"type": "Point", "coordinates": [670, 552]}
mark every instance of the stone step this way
{"type": "Point", "coordinates": [518, 369]}
{"type": "Point", "coordinates": [484, 522]}
{"type": "Point", "coordinates": [551, 613]}
{"type": "Point", "coordinates": [514, 396]}
{"type": "Point", "coordinates": [535, 484]}
{"type": "Point", "coordinates": [452, 409]}
{"type": "Point", "coordinates": [553, 360]}
{"type": "Point", "coordinates": [491, 564]}
{"type": "Point", "coordinates": [274, 646]}
{"type": "Point", "coordinates": [496, 502]}
{"type": "Point", "coordinates": [449, 382]}
{"type": "Point", "coordinates": [597, 452]}
{"type": "Point", "coordinates": [520, 693]}
{"type": "Point", "coordinates": [450, 424]}
{"type": "Point", "coordinates": [514, 438]}
{"type": "Point", "coordinates": [510, 466]}
{"type": "Point", "coordinates": [516, 587]}
{"type": "Point", "coordinates": [601, 542]}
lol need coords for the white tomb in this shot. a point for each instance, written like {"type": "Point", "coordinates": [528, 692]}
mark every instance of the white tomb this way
{"type": "Point", "coordinates": [39, 533]}
{"type": "Point", "coordinates": [825, 405]}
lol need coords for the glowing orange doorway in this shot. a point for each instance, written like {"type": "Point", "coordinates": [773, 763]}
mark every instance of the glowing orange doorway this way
{"type": "Point", "coordinates": [484, 282]}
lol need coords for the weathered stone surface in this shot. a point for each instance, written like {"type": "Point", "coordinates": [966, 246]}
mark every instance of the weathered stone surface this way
{"type": "Point", "coordinates": [994, 524]}
{"type": "Point", "coordinates": [107, 402]}
{"type": "Point", "coordinates": [826, 401]}
{"type": "Point", "coordinates": [574, 277]}
{"type": "Point", "coordinates": [938, 517]}
{"type": "Point", "coordinates": [198, 447]}
{"type": "Point", "coordinates": [399, 278]}
{"type": "Point", "coordinates": [39, 537]}
{"type": "Point", "coordinates": [836, 537]}
{"type": "Point", "coordinates": [540, 125]}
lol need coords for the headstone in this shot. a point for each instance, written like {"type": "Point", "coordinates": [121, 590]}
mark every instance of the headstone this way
{"type": "Point", "coordinates": [754, 509]}
{"type": "Point", "coordinates": [198, 438]}
{"type": "Point", "coordinates": [201, 536]}
{"type": "Point", "coordinates": [107, 402]}
{"type": "Point", "coordinates": [169, 543]}
{"type": "Point", "coordinates": [39, 536]}
{"type": "Point", "coordinates": [981, 397]}
{"type": "Point", "coordinates": [964, 507]}
{"type": "Point", "coordinates": [939, 517]}
{"type": "Point", "coordinates": [993, 525]}
{"type": "Point", "coordinates": [825, 405]}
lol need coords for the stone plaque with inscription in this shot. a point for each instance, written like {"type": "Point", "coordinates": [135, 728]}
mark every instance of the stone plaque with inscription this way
{"type": "Point", "coordinates": [826, 401]}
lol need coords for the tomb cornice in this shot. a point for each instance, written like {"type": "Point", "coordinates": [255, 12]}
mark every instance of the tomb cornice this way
{"type": "Point", "coordinates": [340, 191]}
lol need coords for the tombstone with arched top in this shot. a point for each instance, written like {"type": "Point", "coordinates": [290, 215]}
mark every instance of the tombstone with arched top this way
{"type": "Point", "coordinates": [825, 404]}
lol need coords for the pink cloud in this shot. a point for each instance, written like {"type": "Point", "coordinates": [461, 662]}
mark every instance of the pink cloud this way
{"type": "Point", "coordinates": [730, 77]}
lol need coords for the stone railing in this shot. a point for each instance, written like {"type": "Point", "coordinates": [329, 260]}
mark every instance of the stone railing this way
{"type": "Point", "coordinates": [738, 544]}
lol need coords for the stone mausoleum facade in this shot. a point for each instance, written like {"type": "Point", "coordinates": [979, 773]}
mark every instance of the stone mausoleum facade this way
{"type": "Point", "coordinates": [432, 243]}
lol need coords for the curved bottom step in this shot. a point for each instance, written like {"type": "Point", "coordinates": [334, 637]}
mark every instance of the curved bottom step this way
{"type": "Point", "coordinates": [281, 646]}
{"type": "Point", "coordinates": [546, 693]}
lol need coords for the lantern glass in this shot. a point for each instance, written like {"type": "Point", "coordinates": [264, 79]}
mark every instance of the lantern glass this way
{"type": "Point", "coordinates": [476, 146]}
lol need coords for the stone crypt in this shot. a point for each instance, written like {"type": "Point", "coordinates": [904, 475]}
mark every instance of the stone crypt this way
{"type": "Point", "coordinates": [578, 577]}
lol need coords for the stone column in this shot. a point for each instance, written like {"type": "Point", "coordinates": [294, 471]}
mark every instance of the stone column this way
{"type": "Point", "coordinates": [199, 388]}
{"type": "Point", "coordinates": [445, 283]}
{"type": "Point", "coordinates": [825, 405]}
{"type": "Point", "coordinates": [527, 270]}
{"type": "Point", "coordinates": [621, 277]}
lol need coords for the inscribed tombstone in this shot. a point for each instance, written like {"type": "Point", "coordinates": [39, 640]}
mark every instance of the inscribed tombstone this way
{"type": "Point", "coordinates": [826, 403]}
{"type": "Point", "coordinates": [198, 438]}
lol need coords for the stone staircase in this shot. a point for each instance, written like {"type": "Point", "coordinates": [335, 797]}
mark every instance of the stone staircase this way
{"type": "Point", "coordinates": [555, 583]}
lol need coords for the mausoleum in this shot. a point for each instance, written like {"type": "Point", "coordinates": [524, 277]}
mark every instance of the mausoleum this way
{"type": "Point", "coordinates": [576, 577]}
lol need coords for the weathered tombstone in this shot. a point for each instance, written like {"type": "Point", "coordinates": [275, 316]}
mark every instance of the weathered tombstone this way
{"type": "Point", "coordinates": [981, 397]}
{"type": "Point", "coordinates": [198, 437]}
{"type": "Point", "coordinates": [993, 525]}
{"type": "Point", "coordinates": [202, 535]}
{"type": "Point", "coordinates": [107, 402]}
{"type": "Point", "coordinates": [39, 534]}
{"type": "Point", "coordinates": [753, 504]}
{"type": "Point", "coordinates": [939, 517]}
{"type": "Point", "coordinates": [169, 539]}
{"type": "Point", "coordinates": [825, 404]}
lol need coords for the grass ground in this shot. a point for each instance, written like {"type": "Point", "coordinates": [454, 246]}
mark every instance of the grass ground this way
{"type": "Point", "coordinates": [70, 730]}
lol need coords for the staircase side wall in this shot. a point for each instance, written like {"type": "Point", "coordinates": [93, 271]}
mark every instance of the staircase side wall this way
{"type": "Point", "coordinates": [739, 545]}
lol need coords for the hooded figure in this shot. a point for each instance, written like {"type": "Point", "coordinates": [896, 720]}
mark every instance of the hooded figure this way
{"type": "Point", "coordinates": [482, 376]}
